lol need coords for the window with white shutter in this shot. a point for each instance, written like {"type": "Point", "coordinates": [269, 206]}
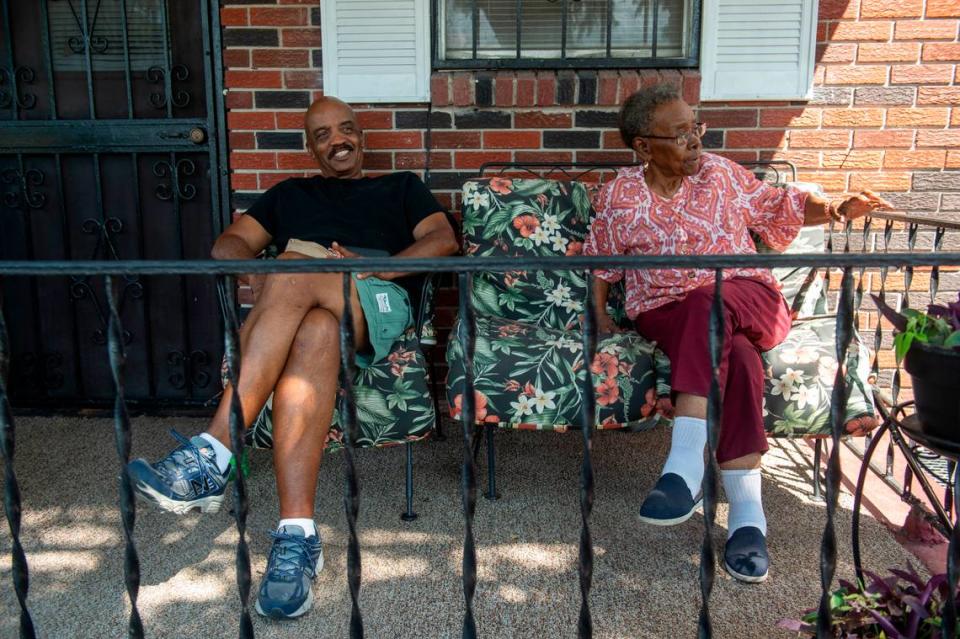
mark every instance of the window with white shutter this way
{"type": "Point", "coordinates": [376, 50]}
{"type": "Point", "coordinates": [757, 49]}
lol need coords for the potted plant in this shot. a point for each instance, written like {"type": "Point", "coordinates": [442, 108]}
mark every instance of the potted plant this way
{"type": "Point", "coordinates": [901, 605]}
{"type": "Point", "coordinates": [928, 344]}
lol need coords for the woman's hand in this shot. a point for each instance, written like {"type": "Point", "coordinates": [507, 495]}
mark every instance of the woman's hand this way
{"type": "Point", "coordinates": [605, 323]}
{"type": "Point", "coordinates": [859, 205]}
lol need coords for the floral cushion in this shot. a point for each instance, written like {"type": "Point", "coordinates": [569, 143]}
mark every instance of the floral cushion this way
{"type": "Point", "coordinates": [394, 405]}
{"type": "Point", "coordinates": [528, 359]}
{"type": "Point", "coordinates": [799, 382]}
{"type": "Point", "coordinates": [530, 377]}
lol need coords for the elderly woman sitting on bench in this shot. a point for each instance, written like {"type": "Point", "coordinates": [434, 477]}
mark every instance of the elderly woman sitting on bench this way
{"type": "Point", "coordinates": [683, 201]}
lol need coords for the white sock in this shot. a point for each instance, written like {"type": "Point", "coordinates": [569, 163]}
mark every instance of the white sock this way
{"type": "Point", "coordinates": [743, 493]}
{"type": "Point", "coordinates": [686, 451]}
{"type": "Point", "coordinates": [309, 528]}
{"type": "Point", "coordinates": [223, 453]}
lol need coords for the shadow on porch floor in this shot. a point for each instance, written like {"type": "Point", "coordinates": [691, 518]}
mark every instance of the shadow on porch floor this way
{"type": "Point", "coordinates": [645, 580]}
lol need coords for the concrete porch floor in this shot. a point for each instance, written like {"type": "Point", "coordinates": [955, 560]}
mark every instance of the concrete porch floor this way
{"type": "Point", "coordinates": [645, 578]}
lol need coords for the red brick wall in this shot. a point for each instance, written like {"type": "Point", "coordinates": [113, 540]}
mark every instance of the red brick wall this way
{"type": "Point", "coordinates": [885, 110]}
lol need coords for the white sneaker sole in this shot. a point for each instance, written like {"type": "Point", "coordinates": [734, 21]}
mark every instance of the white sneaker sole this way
{"type": "Point", "coordinates": [276, 613]}
{"type": "Point", "coordinates": [672, 522]}
{"type": "Point", "coordinates": [746, 578]}
{"type": "Point", "coordinates": [204, 504]}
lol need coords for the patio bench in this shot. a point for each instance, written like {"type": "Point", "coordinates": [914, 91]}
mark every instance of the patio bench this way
{"type": "Point", "coordinates": [528, 360]}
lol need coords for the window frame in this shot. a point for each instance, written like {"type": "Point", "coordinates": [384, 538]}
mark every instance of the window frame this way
{"type": "Point", "coordinates": [689, 62]}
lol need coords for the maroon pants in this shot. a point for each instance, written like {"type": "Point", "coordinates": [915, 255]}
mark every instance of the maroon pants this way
{"type": "Point", "coordinates": [756, 319]}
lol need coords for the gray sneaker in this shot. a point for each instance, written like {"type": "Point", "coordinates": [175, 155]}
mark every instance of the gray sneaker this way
{"type": "Point", "coordinates": [285, 592]}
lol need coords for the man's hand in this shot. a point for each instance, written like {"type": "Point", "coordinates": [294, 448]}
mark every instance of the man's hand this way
{"type": "Point", "coordinates": [863, 204]}
{"type": "Point", "coordinates": [345, 252]}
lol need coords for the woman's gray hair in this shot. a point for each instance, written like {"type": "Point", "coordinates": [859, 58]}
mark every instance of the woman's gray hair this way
{"type": "Point", "coordinates": [636, 115]}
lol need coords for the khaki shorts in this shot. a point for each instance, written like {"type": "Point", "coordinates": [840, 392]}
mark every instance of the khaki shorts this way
{"type": "Point", "coordinates": [386, 308]}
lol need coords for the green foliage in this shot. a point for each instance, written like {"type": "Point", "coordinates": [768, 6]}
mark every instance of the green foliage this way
{"type": "Point", "coordinates": [901, 605]}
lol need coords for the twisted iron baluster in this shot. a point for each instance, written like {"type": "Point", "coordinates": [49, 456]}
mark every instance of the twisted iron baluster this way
{"type": "Point", "coordinates": [231, 325]}
{"type": "Point", "coordinates": [908, 271]}
{"type": "Point", "coordinates": [468, 477]}
{"type": "Point", "coordinates": [935, 271]}
{"type": "Point", "coordinates": [11, 489]}
{"type": "Point", "coordinates": [121, 433]}
{"type": "Point", "coordinates": [838, 409]}
{"type": "Point", "coordinates": [708, 566]}
{"type": "Point", "coordinates": [588, 408]}
{"type": "Point", "coordinates": [351, 496]}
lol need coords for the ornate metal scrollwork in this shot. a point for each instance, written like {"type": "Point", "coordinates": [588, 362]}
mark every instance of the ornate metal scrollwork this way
{"type": "Point", "coordinates": [23, 75]}
{"type": "Point", "coordinates": [189, 368]}
{"type": "Point", "coordinates": [78, 43]}
{"type": "Point", "coordinates": [26, 196]}
{"type": "Point", "coordinates": [181, 97]}
{"type": "Point", "coordinates": [185, 191]}
{"type": "Point", "coordinates": [105, 248]}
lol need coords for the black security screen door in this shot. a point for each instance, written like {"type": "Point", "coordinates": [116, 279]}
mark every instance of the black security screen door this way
{"type": "Point", "coordinates": [111, 148]}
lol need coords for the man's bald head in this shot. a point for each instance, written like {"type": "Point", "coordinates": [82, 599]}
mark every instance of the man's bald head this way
{"type": "Point", "coordinates": [334, 138]}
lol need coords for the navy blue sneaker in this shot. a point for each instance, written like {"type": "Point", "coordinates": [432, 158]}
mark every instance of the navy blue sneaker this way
{"type": "Point", "coordinates": [295, 560]}
{"type": "Point", "coordinates": [670, 502]}
{"type": "Point", "coordinates": [185, 479]}
{"type": "Point", "coordinates": [745, 556]}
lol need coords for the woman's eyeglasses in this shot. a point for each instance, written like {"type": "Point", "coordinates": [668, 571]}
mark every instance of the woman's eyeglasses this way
{"type": "Point", "coordinates": [683, 139]}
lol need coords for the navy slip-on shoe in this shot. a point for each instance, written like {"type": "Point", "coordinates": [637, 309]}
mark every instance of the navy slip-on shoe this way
{"type": "Point", "coordinates": [670, 502]}
{"type": "Point", "coordinates": [745, 556]}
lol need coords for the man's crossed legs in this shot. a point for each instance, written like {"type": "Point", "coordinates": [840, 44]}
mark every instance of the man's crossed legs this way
{"type": "Point", "coordinates": [290, 346]}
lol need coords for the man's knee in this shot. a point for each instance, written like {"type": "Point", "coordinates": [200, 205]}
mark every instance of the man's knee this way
{"type": "Point", "coordinates": [319, 332]}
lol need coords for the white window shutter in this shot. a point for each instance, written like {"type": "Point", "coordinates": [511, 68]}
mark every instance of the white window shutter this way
{"type": "Point", "coordinates": [376, 50]}
{"type": "Point", "coordinates": [757, 49]}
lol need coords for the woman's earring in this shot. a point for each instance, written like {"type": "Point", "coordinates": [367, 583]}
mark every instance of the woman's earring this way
{"type": "Point", "coordinates": [646, 163]}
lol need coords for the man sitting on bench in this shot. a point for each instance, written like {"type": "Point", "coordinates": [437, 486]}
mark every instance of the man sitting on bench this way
{"type": "Point", "coordinates": [290, 343]}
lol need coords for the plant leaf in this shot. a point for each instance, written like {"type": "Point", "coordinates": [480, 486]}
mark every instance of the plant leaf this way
{"type": "Point", "coordinates": [899, 321]}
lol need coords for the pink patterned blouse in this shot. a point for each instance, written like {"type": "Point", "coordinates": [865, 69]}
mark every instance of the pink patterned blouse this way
{"type": "Point", "coordinates": [711, 213]}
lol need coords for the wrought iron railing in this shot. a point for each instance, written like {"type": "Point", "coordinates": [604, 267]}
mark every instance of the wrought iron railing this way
{"type": "Point", "coordinates": [848, 299]}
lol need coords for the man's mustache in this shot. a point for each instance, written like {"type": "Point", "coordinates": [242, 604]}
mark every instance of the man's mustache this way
{"type": "Point", "coordinates": [338, 148]}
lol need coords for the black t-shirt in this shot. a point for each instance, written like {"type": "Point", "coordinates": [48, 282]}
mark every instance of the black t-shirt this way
{"type": "Point", "coordinates": [377, 213]}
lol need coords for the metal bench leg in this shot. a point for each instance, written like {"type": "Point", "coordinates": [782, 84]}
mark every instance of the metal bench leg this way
{"type": "Point", "coordinates": [491, 493]}
{"type": "Point", "coordinates": [817, 454]}
{"type": "Point", "coordinates": [409, 515]}
{"type": "Point", "coordinates": [438, 433]}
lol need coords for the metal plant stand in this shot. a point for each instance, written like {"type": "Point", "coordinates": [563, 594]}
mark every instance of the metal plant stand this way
{"type": "Point", "coordinates": [905, 434]}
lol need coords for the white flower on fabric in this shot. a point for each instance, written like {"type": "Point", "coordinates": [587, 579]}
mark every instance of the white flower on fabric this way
{"type": "Point", "coordinates": [764, 406]}
{"type": "Point", "coordinates": [478, 200]}
{"type": "Point", "coordinates": [798, 354]}
{"type": "Point", "coordinates": [522, 406]}
{"type": "Point", "coordinates": [550, 223]}
{"type": "Point", "coordinates": [542, 400]}
{"type": "Point", "coordinates": [827, 368]}
{"type": "Point", "coordinates": [571, 344]}
{"type": "Point", "coordinates": [559, 295]}
{"type": "Point", "coordinates": [792, 377]}
{"type": "Point", "coordinates": [779, 387]}
{"type": "Point", "coordinates": [559, 243]}
{"type": "Point", "coordinates": [804, 395]}
{"type": "Point", "coordinates": [612, 348]}
{"type": "Point", "coordinates": [572, 305]}
{"type": "Point", "coordinates": [539, 236]}
{"type": "Point", "coordinates": [469, 188]}
{"type": "Point", "coordinates": [556, 343]}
